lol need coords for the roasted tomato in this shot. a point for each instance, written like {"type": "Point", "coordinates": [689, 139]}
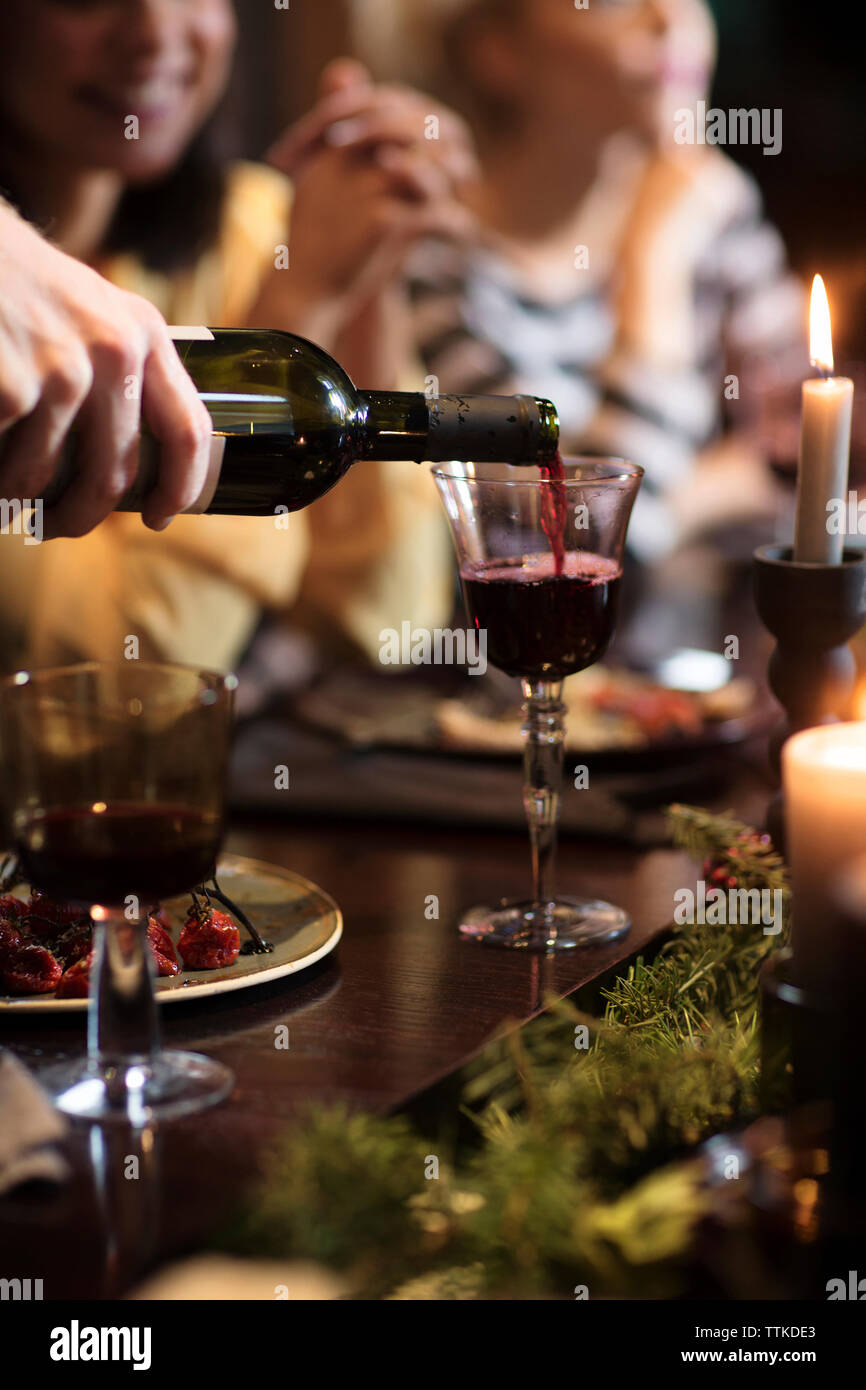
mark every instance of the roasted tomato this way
{"type": "Point", "coordinates": [74, 983]}
{"type": "Point", "coordinates": [658, 711]}
{"type": "Point", "coordinates": [47, 918]}
{"type": "Point", "coordinates": [209, 940]}
{"type": "Point", "coordinates": [30, 969]}
{"type": "Point", "coordinates": [74, 943]}
{"type": "Point", "coordinates": [11, 937]}
{"type": "Point", "coordinates": [161, 944]}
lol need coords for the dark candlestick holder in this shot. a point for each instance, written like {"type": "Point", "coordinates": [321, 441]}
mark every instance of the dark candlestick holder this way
{"type": "Point", "coordinates": [794, 1031]}
{"type": "Point", "coordinates": [813, 1059]}
{"type": "Point", "coordinates": [843, 1217]}
{"type": "Point", "coordinates": [812, 611]}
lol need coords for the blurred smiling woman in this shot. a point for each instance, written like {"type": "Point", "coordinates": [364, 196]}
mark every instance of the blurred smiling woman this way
{"type": "Point", "coordinates": [106, 143]}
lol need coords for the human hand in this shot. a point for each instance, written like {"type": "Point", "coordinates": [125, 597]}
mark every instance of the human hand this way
{"type": "Point", "coordinates": [73, 347]}
{"type": "Point", "coordinates": [368, 183]}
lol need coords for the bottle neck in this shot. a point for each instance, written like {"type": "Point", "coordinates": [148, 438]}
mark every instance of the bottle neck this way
{"type": "Point", "coordinates": [397, 424]}
{"type": "Point", "coordinates": [486, 429]}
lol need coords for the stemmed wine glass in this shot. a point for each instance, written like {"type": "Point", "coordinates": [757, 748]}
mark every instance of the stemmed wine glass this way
{"type": "Point", "coordinates": [113, 778]}
{"type": "Point", "coordinates": [540, 561]}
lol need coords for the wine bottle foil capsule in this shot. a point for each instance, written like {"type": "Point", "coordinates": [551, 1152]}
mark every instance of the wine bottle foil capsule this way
{"type": "Point", "coordinates": [473, 427]}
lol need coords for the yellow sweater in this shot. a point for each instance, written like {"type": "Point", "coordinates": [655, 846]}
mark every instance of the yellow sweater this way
{"type": "Point", "coordinates": [371, 554]}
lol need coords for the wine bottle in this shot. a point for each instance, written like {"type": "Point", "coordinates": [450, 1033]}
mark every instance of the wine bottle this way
{"type": "Point", "coordinates": [289, 423]}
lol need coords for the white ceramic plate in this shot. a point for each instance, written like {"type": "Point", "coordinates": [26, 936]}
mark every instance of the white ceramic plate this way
{"type": "Point", "coordinates": [303, 923]}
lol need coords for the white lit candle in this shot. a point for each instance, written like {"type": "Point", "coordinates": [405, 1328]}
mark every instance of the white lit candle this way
{"type": "Point", "coordinates": [824, 772]}
{"type": "Point", "coordinates": [825, 442]}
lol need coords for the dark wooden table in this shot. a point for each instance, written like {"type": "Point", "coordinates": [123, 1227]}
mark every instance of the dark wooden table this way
{"type": "Point", "coordinates": [403, 1002]}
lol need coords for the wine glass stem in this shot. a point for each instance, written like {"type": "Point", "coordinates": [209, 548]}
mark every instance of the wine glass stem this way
{"type": "Point", "coordinates": [543, 732]}
{"type": "Point", "coordinates": [122, 1027]}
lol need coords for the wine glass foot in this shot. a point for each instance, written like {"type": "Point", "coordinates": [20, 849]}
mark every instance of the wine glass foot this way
{"type": "Point", "coordinates": [163, 1088]}
{"type": "Point", "coordinates": [560, 925]}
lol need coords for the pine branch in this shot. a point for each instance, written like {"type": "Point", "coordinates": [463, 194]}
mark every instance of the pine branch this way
{"type": "Point", "coordinates": [579, 1121]}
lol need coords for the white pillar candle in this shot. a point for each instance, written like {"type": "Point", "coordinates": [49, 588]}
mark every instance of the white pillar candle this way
{"type": "Point", "coordinates": [825, 443]}
{"type": "Point", "coordinates": [824, 773]}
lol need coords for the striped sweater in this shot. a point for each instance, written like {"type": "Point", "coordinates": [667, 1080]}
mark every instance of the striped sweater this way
{"type": "Point", "coordinates": [641, 377]}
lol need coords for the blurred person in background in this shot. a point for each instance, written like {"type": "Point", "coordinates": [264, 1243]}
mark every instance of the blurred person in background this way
{"type": "Point", "coordinates": [625, 275]}
{"type": "Point", "coordinates": [160, 214]}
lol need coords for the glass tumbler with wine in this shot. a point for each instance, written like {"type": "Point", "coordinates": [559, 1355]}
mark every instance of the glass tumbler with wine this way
{"type": "Point", "coordinates": [540, 557]}
{"type": "Point", "coordinates": [113, 778]}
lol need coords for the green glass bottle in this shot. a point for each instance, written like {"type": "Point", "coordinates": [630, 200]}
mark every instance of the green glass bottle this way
{"type": "Point", "coordinates": [289, 423]}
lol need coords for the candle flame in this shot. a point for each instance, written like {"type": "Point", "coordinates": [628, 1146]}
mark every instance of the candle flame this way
{"type": "Point", "coordinates": [820, 336]}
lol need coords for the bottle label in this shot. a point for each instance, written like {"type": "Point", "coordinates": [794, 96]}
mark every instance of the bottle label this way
{"type": "Point", "coordinates": [190, 333]}
{"type": "Point", "coordinates": [148, 468]}
{"type": "Point", "coordinates": [182, 332]}
{"type": "Point", "coordinates": [211, 482]}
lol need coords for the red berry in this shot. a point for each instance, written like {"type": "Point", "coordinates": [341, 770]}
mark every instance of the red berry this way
{"type": "Point", "coordinates": [209, 940]}
{"type": "Point", "coordinates": [161, 944]}
{"type": "Point", "coordinates": [74, 983]}
{"type": "Point", "coordinates": [31, 970]}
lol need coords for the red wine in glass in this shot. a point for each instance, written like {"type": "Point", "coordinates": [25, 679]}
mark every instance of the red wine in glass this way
{"type": "Point", "coordinates": [114, 774]}
{"type": "Point", "coordinates": [103, 851]}
{"type": "Point", "coordinates": [546, 603]}
{"type": "Point", "coordinates": [544, 622]}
